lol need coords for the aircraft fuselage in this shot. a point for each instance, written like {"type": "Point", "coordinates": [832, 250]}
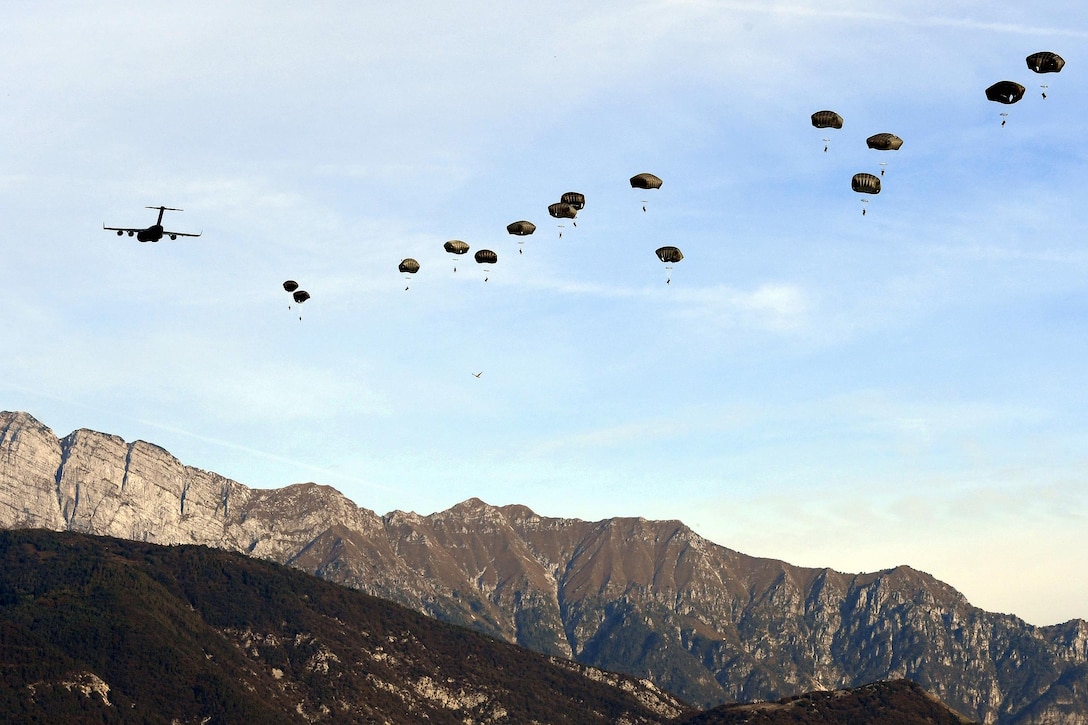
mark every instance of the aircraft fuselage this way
{"type": "Point", "coordinates": [152, 234]}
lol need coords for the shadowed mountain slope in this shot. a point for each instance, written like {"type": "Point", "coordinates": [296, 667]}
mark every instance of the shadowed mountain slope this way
{"type": "Point", "coordinates": [106, 630]}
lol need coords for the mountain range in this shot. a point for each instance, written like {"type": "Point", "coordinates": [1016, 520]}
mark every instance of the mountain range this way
{"type": "Point", "coordinates": [104, 630]}
{"type": "Point", "coordinates": [650, 599]}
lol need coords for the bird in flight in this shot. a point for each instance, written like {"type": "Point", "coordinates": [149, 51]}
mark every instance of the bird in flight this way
{"type": "Point", "coordinates": [476, 375]}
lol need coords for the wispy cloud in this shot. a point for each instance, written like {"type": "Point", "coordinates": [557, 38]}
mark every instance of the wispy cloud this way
{"type": "Point", "coordinates": [779, 307]}
{"type": "Point", "coordinates": [322, 473]}
{"type": "Point", "coordinates": [820, 10]}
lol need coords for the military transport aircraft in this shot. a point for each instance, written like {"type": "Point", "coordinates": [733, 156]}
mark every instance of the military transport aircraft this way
{"type": "Point", "coordinates": [154, 232]}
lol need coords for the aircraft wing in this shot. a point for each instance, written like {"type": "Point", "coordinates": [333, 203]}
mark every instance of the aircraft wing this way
{"type": "Point", "coordinates": [179, 234]}
{"type": "Point", "coordinates": [121, 229]}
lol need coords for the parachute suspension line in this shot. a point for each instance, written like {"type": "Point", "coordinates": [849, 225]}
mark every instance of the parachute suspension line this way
{"type": "Point", "coordinates": [455, 247]}
{"type": "Point", "coordinates": [646, 181]}
{"type": "Point", "coordinates": [408, 267]}
{"type": "Point", "coordinates": [669, 256]}
{"type": "Point", "coordinates": [298, 295]}
{"type": "Point", "coordinates": [486, 258]}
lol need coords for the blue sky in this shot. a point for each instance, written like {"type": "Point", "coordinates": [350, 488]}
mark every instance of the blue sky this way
{"type": "Point", "coordinates": [814, 385]}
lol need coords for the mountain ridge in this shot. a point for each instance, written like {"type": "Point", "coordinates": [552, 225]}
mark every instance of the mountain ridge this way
{"type": "Point", "coordinates": [99, 629]}
{"type": "Point", "coordinates": [648, 598]}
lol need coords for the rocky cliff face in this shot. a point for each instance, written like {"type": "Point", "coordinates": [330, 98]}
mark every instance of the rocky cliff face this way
{"type": "Point", "coordinates": [648, 598]}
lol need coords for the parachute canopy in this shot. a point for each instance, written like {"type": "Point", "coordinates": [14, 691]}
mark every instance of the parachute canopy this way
{"type": "Point", "coordinates": [486, 256]}
{"type": "Point", "coordinates": [1005, 92]}
{"type": "Point", "coordinates": [522, 228]}
{"type": "Point", "coordinates": [455, 246]}
{"type": "Point", "coordinates": [669, 254]}
{"type": "Point", "coordinates": [562, 210]}
{"type": "Point", "coordinates": [1045, 62]}
{"type": "Point", "coordinates": [575, 199]}
{"type": "Point", "coordinates": [645, 181]}
{"type": "Point", "coordinates": [884, 142]}
{"type": "Point", "coordinates": [290, 285]}
{"type": "Point", "coordinates": [301, 296]}
{"type": "Point", "coordinates": [409, 265]}
{"type": "Point", "coordinates": [865, 184]}
{"type": "Point", "coordinates": [826, 119]}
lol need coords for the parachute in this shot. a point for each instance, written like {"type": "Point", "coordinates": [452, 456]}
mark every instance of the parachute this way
{"type": "Point", "coordinates": [575, 199]}
{"type": "Point", "coordinates": [826, 119]}
{"type": "Point", "coordinates": [521, 229]}
{"type": "Point", "coordinates": [865, 184]}
{"type": "Point", "coordinates": [645, 181]}
{"type": "Point", "coordinates": [1005, 92]}
{"type": "Point", "coordinates": [562, 210]}
{"type": "Point", "coordinates": [884, 142]}
{"type": "Point", "coordinates": [1045, 62]}
{"type": "Point", "coordinates": [670, 256]}
{"type": "Point", "coordinates": [486, 256]}
{"type": "Point", "coordinates": [455, 246]}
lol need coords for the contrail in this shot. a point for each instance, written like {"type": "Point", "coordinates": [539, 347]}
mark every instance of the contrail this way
{"type": "Point", "coordinates": [206, 439]}
{"type": "Point", "coordinates": [265, 454]}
